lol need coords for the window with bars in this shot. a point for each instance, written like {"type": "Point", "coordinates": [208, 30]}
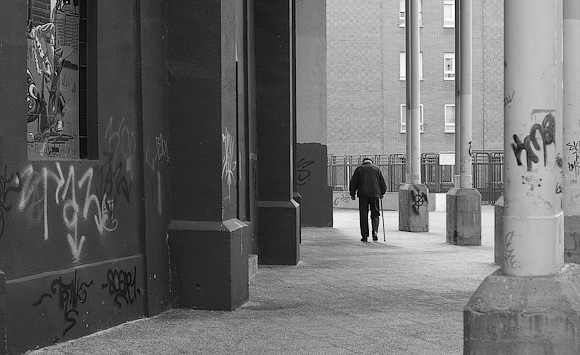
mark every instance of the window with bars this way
{"type": "Point", "coordinates": [61, 77]}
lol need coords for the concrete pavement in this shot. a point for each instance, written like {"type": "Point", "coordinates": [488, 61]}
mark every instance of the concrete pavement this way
{"type": "Point", "coordinates": [404, 296]}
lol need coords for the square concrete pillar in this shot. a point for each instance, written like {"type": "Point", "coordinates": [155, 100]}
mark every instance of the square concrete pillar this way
{"type": "Point", "coordinates": [209, 269]}
{"type": "Point", "coordinates": [278, 214]}
{"type": "Point", "coordinates": [524, 315]}
{"type": "Point", "coordinates": [208, 261]}
{"type": "Point", "coordinates": [414, 208]}
{"type": "Point", "coordinates": [463, 217]}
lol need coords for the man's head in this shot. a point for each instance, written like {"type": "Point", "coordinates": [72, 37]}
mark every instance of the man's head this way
{"type": "Point", "coordinates": [367, 160]}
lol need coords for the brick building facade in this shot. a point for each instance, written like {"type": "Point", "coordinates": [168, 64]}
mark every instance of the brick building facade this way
{"type": "Point", "coordinates": [366, 87]}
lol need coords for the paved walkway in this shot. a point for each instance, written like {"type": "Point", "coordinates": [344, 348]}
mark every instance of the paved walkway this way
{"type": "Point", "coordinates": [403, 296]}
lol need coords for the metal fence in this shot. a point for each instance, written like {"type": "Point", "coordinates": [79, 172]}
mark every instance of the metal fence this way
{"type": "Point", "coordinates": [487, 171]}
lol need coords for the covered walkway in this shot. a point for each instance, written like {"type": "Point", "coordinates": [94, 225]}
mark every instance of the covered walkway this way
{"type": "Point", "coordinates": [404, 296]}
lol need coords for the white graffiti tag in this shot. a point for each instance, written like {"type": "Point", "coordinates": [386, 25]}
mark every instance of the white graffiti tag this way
{"type": "Point", "coordinates": [35, 195]}
{"type": "Point", "coordinates": [228, 160]}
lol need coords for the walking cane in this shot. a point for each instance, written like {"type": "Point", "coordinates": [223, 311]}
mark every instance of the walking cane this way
{"type": "Point", "coordinates": [383, 218]}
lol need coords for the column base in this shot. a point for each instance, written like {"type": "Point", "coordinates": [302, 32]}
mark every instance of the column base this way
{"type": "Point", "coordinates": [463, 216]}
{"type": "Point", "coordinates": [572, 239]}
{"type": "Point", "coordinates": [413, 208]}
{"type": "Point", "coordinates": [524, 315]}
{"type": "Point", "coordinates": [209, 268]}
{"type": "Point", "coordinates": [278, 232]}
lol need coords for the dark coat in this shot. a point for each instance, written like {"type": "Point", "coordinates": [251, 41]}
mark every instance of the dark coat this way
{"type": "Point", "coordinates": [368, 181]}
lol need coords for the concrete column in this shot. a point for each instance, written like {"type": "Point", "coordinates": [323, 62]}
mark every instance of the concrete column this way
{"type": "Point", "coordinates": [413, 201]}
{"type": "Point", "coordinates": [464, 215]}
{"type": "Point", "coordinates": [571, 142]}
{"type": "Point", "coordinates": [209, 264]}
{"type": "Point", "coordinates": [278, 213]}
{"type": "Point", "coordinates": [531, 305]}
{"type": "Point", "coordinates": [311, 150]}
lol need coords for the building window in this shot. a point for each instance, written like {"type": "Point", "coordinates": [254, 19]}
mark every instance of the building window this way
{"type": "Point", "coordinates": [57, 79]}
{"type": "Point", "coordinates": [404, 118]}
{"type": "Point", "coordinates": [449, 66]}
{"type": "Point", "coordinates": [449, 13]}
{"type": "Point", "coordinates": [402, 13]}
{"type": "Point", "coordinates": [403, 66]}
{"type": "Point", "coordinates": [449, 118]}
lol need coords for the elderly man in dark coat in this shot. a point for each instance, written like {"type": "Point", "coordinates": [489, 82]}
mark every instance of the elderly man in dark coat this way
{"type": "Point", "coordinates": [370, 184]}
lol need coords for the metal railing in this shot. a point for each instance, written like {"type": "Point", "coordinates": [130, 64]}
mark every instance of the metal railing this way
{"type": "Point", "coordinates": [487, 171]}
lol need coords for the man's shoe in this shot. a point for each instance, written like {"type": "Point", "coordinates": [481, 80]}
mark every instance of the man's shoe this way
{"type": "Point", "coordinates": [363, 239]}
{"type": "Point", "coordinates": [375, 238]}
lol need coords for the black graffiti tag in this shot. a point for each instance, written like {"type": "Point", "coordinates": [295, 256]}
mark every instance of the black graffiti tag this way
{"type": "Point", "coordinates": [546, 131]}
{"type": "Point", "coordinates": [418, 199]}
{"type": "Point", "coordinates": [69, 296]}
{"type": "Point", "coordinates": [122, 286]}
{"type": "Point", "coordinates": [303, 171]}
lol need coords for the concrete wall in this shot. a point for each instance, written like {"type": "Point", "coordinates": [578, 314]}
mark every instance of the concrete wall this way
{"type": "Point", "coordinates": [83, 242]}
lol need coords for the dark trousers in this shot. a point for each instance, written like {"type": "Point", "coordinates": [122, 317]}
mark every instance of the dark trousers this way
{"type": "Point", "coordinates": [364, 204]}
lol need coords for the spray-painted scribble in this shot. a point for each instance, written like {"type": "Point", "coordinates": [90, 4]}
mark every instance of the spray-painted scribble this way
{"type": "Point", "coordinates": [8, 185]}
{"type": "Point", "coordinates": [122, 286]}
{"type": "Point", "coordinates": [344, 198]}
{"type": "Point", "coordinates": [418, 199]}
{"type": "Point", "coordinates": [229, 159]}
{"type": "Point", "coordinates": [303, 171]}
{"type": "Point", "coordinates": [70, 296]}
{"type": "Point", "coordinates": [52, 81]}
{"type": "Point", "coordinates": [508, 99]}
{"type": "Point", "coordinates": [122, 143]}
{"type": "Point", "coordinates": [544, 132]}
{"type": "Point", "coordinates": [161, 150]}
{"type": "Point", "coordinates": [510, 256]}
{"type": "Point", "coordinates": [159, 153]}
{"type": "Point", "coordinates": [35, 197]}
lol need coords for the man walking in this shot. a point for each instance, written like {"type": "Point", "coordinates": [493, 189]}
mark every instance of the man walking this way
{"type": "Point", "coordinates": [368, 180]}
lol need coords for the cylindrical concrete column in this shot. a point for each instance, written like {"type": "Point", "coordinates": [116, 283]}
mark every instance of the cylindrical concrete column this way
{"type": "Point", "coordinates": [408, 85]}
{"type": "Point", "coordinates": [532, 216]}
{"type": "Point", "coordinates": [571, 142]}
{"type": "Point", "coordinates": [465, 58]}
{"type": "Point", "coordinates": [457, 168]}
{"type": "Point", "coordinates": [415, 129]}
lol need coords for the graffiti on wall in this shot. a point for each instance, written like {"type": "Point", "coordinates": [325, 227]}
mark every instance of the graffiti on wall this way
{"type": "Point", "coordinates": [70, 296]}
{"type": "Point", "coordinates": [543, 133]}
{"type": "Point", "coordinates": [418, 199]}
{"type": "Point", "coordinates": [303, 171]}
{"type": "Point", "coordinates": [229, 162]}
{"type": "Point", "coordinates": [8, 187]}
{"type": "Point", "coordinates": [83, 198]}
{"type": "Point", "coordinates": [52, 81]}
{"type": "Point", "coordinates": [122, 286]}
{"type": "Point", "coordinates": [159, 153]}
